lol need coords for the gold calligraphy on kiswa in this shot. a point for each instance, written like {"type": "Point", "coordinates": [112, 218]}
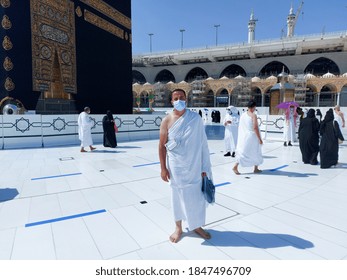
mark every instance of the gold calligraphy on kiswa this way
{"type": "Point", "coordinates": [6, 43]}
{"type": "Point", "coordinates": [109, 11]}
{"type": "Point", "coordinates": [103, 24]}
{"type": "Point", "coordinates": [5, 3]}
{"type": "Point", "coordinates": [5, 22]}
{"type": "Point", "coordinates": [9, 84]}
{"type": "Point", "coordinates": [8, 65]}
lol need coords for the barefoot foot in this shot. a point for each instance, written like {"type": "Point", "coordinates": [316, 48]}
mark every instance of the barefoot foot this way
{"type": "Point", "coordinates": [236, 171]}
{"type": "Point", "coordinates": [83, 150]}
{"type": "Point", "coordinates": [176, 236]}
{"type": "Point", "coordinates": [257, 170]}
{"type": "Point", "coordinates": [203, 233]}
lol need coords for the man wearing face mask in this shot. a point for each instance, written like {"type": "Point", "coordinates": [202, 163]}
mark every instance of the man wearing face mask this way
{"type": "Point", "coordinates": [184, 160]}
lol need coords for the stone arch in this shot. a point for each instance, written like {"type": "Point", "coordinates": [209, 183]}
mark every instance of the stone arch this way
{"type": "Point", "coordinates": [343, 96]}
{"type": "Point", "coordinates": [196, 73]}
{"type": "Point", "coordinates": [311, 97]}
{"type": "Point", "coordinates": [233, 71]}
{"type": "Point", "coordinates": [138, 77]}
{"type": "Point", "coordinates": [327, 96]}
{"type": "Point", "coordinates": [256, 95]}
{"type": "Point", "coordinates": [222, 98]}
{"type": "Point", "coordinates": [321, 66]}
{"type": "Point", "coordinates": [165, 76]}
{"type": "Point", "coordinates": [273, 68]}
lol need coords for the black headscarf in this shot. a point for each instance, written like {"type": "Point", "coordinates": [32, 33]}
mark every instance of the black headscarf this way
{"type": "Point", "coordinates": [311, 113]}
{"type": "Point", "coordinates": [329, 116]}
{"type": "Point", "coordinates": [109, 115]}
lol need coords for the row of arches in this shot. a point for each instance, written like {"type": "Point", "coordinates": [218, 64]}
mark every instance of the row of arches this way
{"type": "Point", "coordinates": [326, 97]}
{"type": "Point", "coordinates": [318, 67]}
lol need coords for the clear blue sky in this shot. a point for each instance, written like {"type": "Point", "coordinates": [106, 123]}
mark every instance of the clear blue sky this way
{"type": "Point", "coordinates": [164, 18]}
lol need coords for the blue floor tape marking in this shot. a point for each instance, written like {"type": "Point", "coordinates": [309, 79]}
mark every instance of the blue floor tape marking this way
{"type": "Point", "coordinates": [65, 218]}
{"type": "Point", "coordinates": [55, 176]}
{"type": "Point", "coordinates": [140, 165]}
{"type": "Point", "coordinates": [280, 167]}
{"type": "Point", "coordinates": [222, 184]}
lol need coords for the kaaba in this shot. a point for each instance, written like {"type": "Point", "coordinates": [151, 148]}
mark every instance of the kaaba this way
{"type": "Point", "coordinates": [59, 56]}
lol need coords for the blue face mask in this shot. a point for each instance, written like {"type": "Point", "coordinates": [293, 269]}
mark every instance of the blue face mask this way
{"type": "Point", "coordinates": [179, 105]}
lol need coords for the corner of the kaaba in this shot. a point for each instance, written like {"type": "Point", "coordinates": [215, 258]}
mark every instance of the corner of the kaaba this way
{"type": "Point", "coordinates": [16, 75]}
{"type": "Point", "coordinates": [104, 69]}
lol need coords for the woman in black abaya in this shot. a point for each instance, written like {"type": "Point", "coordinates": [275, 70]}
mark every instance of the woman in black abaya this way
{"type": "Point", "coordinates": [309, 138]}
{"type": "Point", "coordinates": [108, 126]}
{"type": "Point", "coordinates": [329, 146]}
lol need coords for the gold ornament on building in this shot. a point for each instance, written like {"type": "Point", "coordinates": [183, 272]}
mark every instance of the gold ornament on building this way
{"type": "Point", "coordinates": [9, 84]}
{"type": "Point", "coordinates": [6, 43]}
{"type": "Point", "coordinates": [5, 3]}
{"type": "Point", "coordinates": [78, 11]}
{"type": "Point", "coordinates": [8, 65]}
{"type": "Point", "coordinates": [6, 23]}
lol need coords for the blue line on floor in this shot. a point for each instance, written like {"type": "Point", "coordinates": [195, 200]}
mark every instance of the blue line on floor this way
{"type": "Point", "coordinates": [55, 176]}
{"type": "Point", "coordinates": [222, 184]}
{"type": "Point", "coordinates": [140, 165]}
{"type": "Point", "coordinates": [65, 218]}
{"type": "Point", "coordinates": [280, 167]}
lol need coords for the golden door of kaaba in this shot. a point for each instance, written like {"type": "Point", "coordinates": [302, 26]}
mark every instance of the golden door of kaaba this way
{"type": "Point", "coordinates": [61, 55]}
{"type": "Point", "coordinates": [53, 48]}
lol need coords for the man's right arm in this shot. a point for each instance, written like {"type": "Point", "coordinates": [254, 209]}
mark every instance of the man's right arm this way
{"type": "Point", "coordinates": [163, 136]}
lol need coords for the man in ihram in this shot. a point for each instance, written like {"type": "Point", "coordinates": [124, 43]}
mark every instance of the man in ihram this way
{"type": "Point", "coordinates": [184, 160]}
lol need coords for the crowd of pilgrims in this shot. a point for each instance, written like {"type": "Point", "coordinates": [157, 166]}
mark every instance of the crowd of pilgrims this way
{"type": "Point", "coordinates": [317, 135]}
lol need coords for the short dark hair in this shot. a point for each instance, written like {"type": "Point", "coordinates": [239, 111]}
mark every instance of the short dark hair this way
{"type": "Point", "coordinates": [177, 89]}
{"type": "Point", "coordinates": [251, 104]}
{"type": "Point", "coordinates": [86, 109]}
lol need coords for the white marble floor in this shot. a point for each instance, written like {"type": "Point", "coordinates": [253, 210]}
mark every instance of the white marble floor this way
{"type": "Point", "coordinates": [58, 203]}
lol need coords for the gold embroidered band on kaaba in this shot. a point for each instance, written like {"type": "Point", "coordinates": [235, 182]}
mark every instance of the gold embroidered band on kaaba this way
{"type": "Point", "coordinates": [103, 24]}
{"type": "Point", "coordinates": [109, 11]}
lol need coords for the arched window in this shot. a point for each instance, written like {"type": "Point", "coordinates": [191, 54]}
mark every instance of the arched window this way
{"type": "Point", "coordinates": [273, 68]}
{"type": "Point", "coordinates": [196, 73]}
{"type": "Point", "coordinates": [222, 99]}
{"type": "Point", "coordinates": [343, 96]}
{"type": "Point", "coordinates": [327, 97]}
{"type": "Point", "coordinates": [321, 66]}
{"type": "Point", "coordinates": [233, 71]}
{"type": "Point", "coordinates": [256, 96]}
{"type": "Point", "coordinates": [165, 76]}
{"type": "Point", "coordinates": [138, 77]}
{"type": "Point", "coordinates": [311, 97]}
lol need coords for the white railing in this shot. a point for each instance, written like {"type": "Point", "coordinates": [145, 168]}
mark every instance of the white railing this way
{"type": "Point", "coordinates": [33, 131]}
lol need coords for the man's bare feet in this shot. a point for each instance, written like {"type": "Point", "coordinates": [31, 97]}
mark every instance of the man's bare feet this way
{"type": "Point", "coordinates": [92, 148]}
{"type": "Point", "coordinates": [204, 234]}
{"type": "Point", "coordinates": [256, 170]}
{"type": "Point", "coordinates": [176, 236]}
{"type": "Point", "coordinates": [83, 150]}
{"type": "Point", "coordinates": [236, 171]}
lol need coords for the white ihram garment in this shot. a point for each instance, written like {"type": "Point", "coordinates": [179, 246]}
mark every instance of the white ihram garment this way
{"type": "Point", "coordinates": [338, 118]}
{"type": "Point", "coordinates": [248, 150]}
{"type": "Point", "coordinates": [231, 132]}
{"type": "Point", "coordinates": [187, 157]}
{"type": "Point", "coordinates": [289, 129]}
{"type": "Point", "coordinates": [84, 129]}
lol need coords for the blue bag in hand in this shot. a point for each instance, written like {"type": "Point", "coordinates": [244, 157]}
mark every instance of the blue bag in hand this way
{"type": "Point", "coordinates": [208, 189]}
